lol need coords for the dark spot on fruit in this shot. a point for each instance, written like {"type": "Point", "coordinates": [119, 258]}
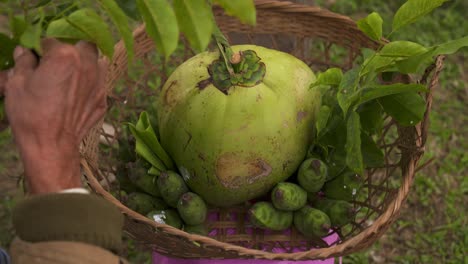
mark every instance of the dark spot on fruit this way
{"type": "Point", "coordinates": [301, 115]}
{"type": "Point", "coordinates": [201, 156]}
{"type": "Point", "coordinates": [326, 227]}
{"type": "Point", "coordinates": [188, 140]}
{"type": "Point", "coordinates": [203, 84]}
{"type": "Point", "coordinates": [279, 194]}
{"type": "Point", "coordinates": [168, 95]}
{"type": "Point", "coordinates": [286, 164]}
{"type": "Point", "coordinates": [235, 169]}
{"type": "Point", "coordinates": [258, 98]}
{"type": "Point", "coordinates": [315, 165]}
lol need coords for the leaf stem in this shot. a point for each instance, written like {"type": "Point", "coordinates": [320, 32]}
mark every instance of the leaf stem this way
{"type": "Point", "coordinates": [224, 48]}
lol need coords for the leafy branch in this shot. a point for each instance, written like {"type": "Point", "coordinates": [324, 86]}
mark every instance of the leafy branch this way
{"type": "Point", "coordinates": [354, 102]}
{"type": "Point", "coordinates": [72, 21]}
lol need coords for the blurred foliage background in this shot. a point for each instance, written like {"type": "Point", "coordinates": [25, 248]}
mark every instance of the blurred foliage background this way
{"type": "Point", "coordinates": [433, 226]}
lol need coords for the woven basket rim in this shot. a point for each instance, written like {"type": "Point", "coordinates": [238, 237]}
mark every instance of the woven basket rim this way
{"type": "Point", "coordinates": [355, 243]}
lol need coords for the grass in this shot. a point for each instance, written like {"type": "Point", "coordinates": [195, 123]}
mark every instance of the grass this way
{"type": "Point", "coordinates": [433, 226]}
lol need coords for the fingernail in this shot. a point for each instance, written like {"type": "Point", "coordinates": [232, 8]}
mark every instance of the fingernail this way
{"type": "Point", "coordinates": [18, 52]}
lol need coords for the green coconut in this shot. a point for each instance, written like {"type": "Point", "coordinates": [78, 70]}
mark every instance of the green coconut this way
{"type": "Point", "coordinates": [234, 136]}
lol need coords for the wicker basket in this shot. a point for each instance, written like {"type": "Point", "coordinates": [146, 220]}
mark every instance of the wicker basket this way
{"type": "Point", "coordinates": [305, 32]}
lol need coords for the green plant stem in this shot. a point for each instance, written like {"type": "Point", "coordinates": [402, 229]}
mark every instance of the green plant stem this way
{"type": "Point", "coordinates": [224, 48]}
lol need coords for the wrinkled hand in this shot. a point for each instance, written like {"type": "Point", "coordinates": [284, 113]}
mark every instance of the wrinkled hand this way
{"type": "Point", "coordinates": [51, 105]}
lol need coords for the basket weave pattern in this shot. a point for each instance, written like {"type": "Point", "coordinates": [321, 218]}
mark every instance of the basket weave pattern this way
{"type": "Point", "coordinates": [321, 39]}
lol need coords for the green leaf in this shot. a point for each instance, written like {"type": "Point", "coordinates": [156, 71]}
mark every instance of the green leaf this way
{"type": "Point", "coordinates": [95, 28]}
{"type": "Point", "coordinates": [401, 49]}
{"type": "Point", "coordinates": [372, 155]}
{"type": "Point", "coordinates": [161, 24]}
{"type": "Point", "coordinates": [130, 8]}
{"type": "Point", "coordinates": [391, 53]}
{"type": "Point", "coordinates": [243, 9]}
{"type": "Point", "coordinates": [41, 3]}
{"type": "Point", "coordinates": [418, 63]}
{"type": "Point", "coordinates": [195, 21]}
{"type": "Point", "coordinates": [371, 26]}
{"type": "Point", "coordinates": [371, 115]}
{"type": "Point", "coordinates": [144, 124]}
{"type": "Point", "coordinates": [6, 52]}
{"type": "Point", "coordinates": [142, 148]}
{"type": "Point", "coordinates": [412, 10]}
{"type": "Point", "coordinates": [120, 20]}
{"type": "Point", "coordinates": [451, 46]}
{"type": "Point", "coordinates": [348, 86]}
{"type": "Point", "coordinates": [154, 171]}
{"type": "Point", "coordinates": [17, 26]}
{"type": "Point", "coordinates": [322, 118]}
{"type": "Point", "coordinates": [377, 91]}
{"type": "Point", "coordinates": [62, 29]}
{"type": "Point", "coordinates": [31, 37]}
{"type": "Point", "coordinates": [407, 109]}
{"type": "Point", "coordinates": [331, 76]}
{"type": "Point", "coordinates": [354, 158]}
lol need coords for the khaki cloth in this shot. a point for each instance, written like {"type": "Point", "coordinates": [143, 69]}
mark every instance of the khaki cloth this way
{"type": "Point", "coordinates": [61, 252]}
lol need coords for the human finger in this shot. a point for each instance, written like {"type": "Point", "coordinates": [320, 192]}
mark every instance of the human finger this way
{"type": "Point", "coordinates": [25, 61]}
{"type": "Point", "coordinates": [50, 44]}
{"type": "Point", "coordinates": [88, 50]}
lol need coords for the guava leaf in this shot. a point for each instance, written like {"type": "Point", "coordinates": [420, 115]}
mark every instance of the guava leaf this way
{"type": "Point", "coordinates": [62, 29]}
{"type": "Point", "coordinates": [31, 37]}
{"type": "Point", "coordinates": [391, 53]}
{"type": "Point", "coordinates": [353, 143]}
{"type": "Point", "coordinates": [121, 22]}
{"type": "Point", "coordinates": [6, 52]}
{"type": "Point", "coordinates": [90, 23]}
{"type": "Point", "coordinates": [130, 8]}
{"type": "Point", "coordinates": [407, 108]}
{"type": "Point", "coordinates": [451, 46]}
{"type": "Point", "coordinates": [418, 63]}
{"type": "Point", "coordinates": [372, 155]}
{"type": "Point", "coordinates": [195, 21]}
{"type": "Point", "coordinates": [17, 26]}
{"type": "Point", "coordinates": [242, 9]}
{"type": "Point", "coordinates": [377, 91]}
{"type": "Point", "coordinates": [322, 118]}
{"type": "Point", "coordinates": [371, 26]}
{"type": "Point", "coordinates": [331, 76]}
{"type": "Point", "coordinates": [371, 115]}
{"type": "Point", "coordinates": [161, 24]}
{"type": "Point", "coordinates": [145, 131]}
{"type": "Point", "coordinates": [348, 86]}
{"type": "Point", "coordinates": [412, 10]}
